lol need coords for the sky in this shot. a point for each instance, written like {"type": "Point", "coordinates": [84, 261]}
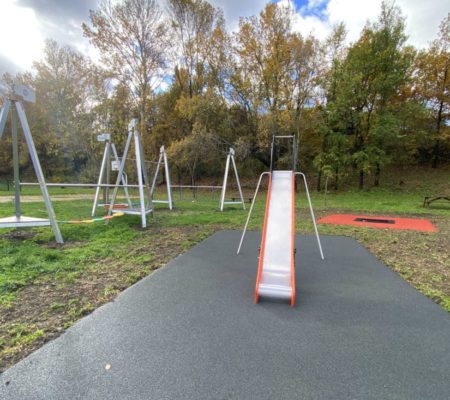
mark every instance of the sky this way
{"type": "Point", "coordinates": [25, 24]}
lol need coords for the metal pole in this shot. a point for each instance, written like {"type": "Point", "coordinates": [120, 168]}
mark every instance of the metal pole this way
{"type": "Point", "coordinates": [238, 182]}
{"type": "Point", "coordinates": [81, 185]}
{"type": "Point", "coordinates": [139, 167]}
{"type": "Point", "coordinates": [4, 115]}
{"type": "Point", "coordinates": [224, 185]}
{"type": "Point", "coordinates": [15, 147]}
{"type": "Point", "coordinates": [251, 209]}
{"type": "Point", "coordinates": [100, 180]}
{"type": "Point", "coordinates": [108, 172]}
{"type": "Point", "coordinates": [312, 214]}
{"type": "Point", "coordinates": [155, 176]}
{"type": "Point", "coordinates": [144, 171]}
{"type": "Point", "coordinates": [124, 178]}
{"type": "Point", "coordinates": [120, 172]}
{"type": "Point", "coordinates": [169, 187]}
{"type": "Point", "coordinates": [38, 170]}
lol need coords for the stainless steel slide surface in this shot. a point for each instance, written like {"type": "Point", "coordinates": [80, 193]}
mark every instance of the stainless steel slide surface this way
{"type": "Point", "coordinates": [276, 262]}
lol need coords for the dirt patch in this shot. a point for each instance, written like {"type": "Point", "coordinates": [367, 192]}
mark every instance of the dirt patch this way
{"type": "Point", "coordinates": [42, 311]}
{"type": "Point", "coordinates": [18, 235]}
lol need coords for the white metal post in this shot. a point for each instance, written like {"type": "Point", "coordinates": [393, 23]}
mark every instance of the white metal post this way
{"type": "Point", "coordinates": [162, 160]}
{"type": "Point", "coordinates": [251, 209]}
{"type": "Point", "coordinates": [224, 185]}
{"type": "Point", "coordinates": [312, 214]}
{"type": "Point", "coordinates": [168, 183]}
{"type": "Point", "coordinates": [155, 176]}
{"type": "Point", "coordinates": [108, 171]}
{"type": "Point", "coordinates": [4, 115]}
{"type": "Point", "coordinates": [38, 171]}
{"type": "Point", "coordinates": [121, 169]}
{"type": "Point", "coordinates": [139, 168]}
{"type": "Point", "coordinates": [124, 175]}
{"type": "Point", "coordinates": [100, 181]}
{"type": "Point", "coordinates": [145, 172]}
{"type": "Point", "coordinates": [15, 147]}
{"type": "Point", "coordinates": [238, 182]}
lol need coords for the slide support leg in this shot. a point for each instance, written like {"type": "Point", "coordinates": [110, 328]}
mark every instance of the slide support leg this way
{"type": "Point", "coordinates": [312, 214]}
{"type": "Point", "coordinates": [251, 209]}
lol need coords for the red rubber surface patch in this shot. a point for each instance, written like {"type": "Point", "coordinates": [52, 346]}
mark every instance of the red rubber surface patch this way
{"type": "Point", "coordinates": [410, 224]}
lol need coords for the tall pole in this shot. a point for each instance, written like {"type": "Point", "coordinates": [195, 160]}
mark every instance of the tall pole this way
{"type": "Point", "coordinates": [15, 147]}
{"type": "Point", "coordinates": [38, 171]}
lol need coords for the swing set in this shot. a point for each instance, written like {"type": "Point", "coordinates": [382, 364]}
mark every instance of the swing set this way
{"type": "Point", "coordinates": [13, 98]}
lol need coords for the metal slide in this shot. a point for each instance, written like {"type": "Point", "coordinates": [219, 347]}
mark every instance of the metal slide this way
{"type": "Point", "coordinates": [276, 269]}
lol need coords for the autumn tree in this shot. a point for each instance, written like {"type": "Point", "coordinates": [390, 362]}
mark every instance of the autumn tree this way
{"type": "Point", "coordinates": [131, 37]}
{"type": "Point", "coordinates": [60, 119]}
{"type": "Point", "coordinates": [275, 73]}
{"type": "Point", "coordinates": [432, 86]}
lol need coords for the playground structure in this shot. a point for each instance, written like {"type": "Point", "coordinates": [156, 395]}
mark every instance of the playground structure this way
{"type": "Point", "coordinates": [276, 265]}
{"type": "Point", "coordinates": [13, 101]}
{"type": "Point", "coordinates": [145, 195]}
{"type": "Point", "coordinates": [165, 163]}
{"type": "Point", "coordinates": [230, 161]}
{"type": "Point", "coordinates": [106, 167]}
{"type": "Point", "coordinates": [230, 158]}
{"type": "Point", "coordinates": [110, 162]}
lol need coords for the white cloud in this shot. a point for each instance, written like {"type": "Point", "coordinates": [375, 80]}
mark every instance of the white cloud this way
{"type": "Point", "coordinates": [233, 9]}
{"type": "Point", "coordinates": [422, 18]}
{"type": "Point", "coordinates": [24, 24]}
{"type": "Point", "coordinates": [21, 41]}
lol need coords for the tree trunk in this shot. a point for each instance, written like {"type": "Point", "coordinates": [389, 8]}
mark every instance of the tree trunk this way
{"type": "Point", "coordinates": [377, 175]}
{"type": "Point", "coordinates": [336, 178]}
{"type": "Point", "coordinates": [436, 148]}
{"type": "Point", "coordinates": [436, 151]}
{"type": "Point", "coordinates": [319, 180]}
{"type": "Point", "coordinates": [361, 180]}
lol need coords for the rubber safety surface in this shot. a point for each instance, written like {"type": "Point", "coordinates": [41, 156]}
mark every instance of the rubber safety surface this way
{"type": "Point", "coordinates": [192, 331]}
{"type": "Point", "coordinates": [412, 224]}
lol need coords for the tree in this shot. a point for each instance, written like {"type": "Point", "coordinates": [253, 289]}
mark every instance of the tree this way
{"type": "Point", "coordinates": [373, 72]}
{"type": "Point", "coordinates": [333, 155]}
{"type": "Point", "coordinates": [275, 74]}
{"type": "Point", "coordinates": [131, 38]}
{"type": "Point", "coordinates": [193, 23]}
{"type": "Point", "coordinates": [433, 86]}
{"type": "Point", "coordinates": [60, 119]}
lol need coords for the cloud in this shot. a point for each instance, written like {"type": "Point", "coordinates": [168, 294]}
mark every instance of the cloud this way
{"type": "Point", "coordinates": [21, 41]}
{"type": "Point", "coordinates": [61, 20]}
{"type": "Point", "coordinates": [318, 16]}
{"type": "Point", "coordinates": [8, 66]}
{"type": "Point", "coordinates": [234, 9]}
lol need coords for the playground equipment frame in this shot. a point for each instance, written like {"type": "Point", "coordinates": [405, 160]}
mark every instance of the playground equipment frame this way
{"type": "Point", "coordinates": [13, 102]}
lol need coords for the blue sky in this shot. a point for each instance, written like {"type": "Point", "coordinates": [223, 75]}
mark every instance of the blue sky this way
{"type": "Point", "coordinates": [61, 20]}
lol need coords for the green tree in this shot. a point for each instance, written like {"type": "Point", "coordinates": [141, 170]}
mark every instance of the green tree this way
{"type": "Point", "coordinates": [373, 71]}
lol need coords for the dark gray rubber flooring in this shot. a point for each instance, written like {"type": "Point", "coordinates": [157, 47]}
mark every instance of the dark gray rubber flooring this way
{"type": "Point", "coordinates": [191, 331]}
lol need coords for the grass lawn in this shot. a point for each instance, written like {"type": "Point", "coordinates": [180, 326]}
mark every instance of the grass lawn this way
{"type": "Point", "coordinates": [45, 288]}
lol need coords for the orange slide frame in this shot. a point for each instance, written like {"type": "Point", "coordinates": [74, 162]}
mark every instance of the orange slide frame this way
{"type": "Point", "coordinates": [263, 241]}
